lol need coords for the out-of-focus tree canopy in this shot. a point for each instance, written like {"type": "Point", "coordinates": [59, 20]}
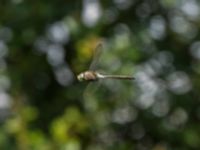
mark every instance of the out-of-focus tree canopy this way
{"type": "Point", "coordinates": [45, 44]}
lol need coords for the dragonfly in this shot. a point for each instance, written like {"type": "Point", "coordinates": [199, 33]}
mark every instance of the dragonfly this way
{"type": "Point", "coordinates": [91, 75]}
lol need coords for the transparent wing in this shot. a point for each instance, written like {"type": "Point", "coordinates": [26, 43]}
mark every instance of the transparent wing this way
{"type": "Point", "coordinates": [96, 56]}
{"type": "Point", "coordinates": [90, 97]}
{"type": "Point", "coordinates": [91, 91]}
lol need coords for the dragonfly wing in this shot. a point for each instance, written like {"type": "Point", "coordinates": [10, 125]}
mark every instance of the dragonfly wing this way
{"type": "Point", "coordinates": [90, 96]}
{"type": "Point", "coordinates": [96, 56]}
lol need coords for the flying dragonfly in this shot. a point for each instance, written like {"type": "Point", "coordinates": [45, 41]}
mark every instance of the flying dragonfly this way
{"type": "Point", "coordinates": [92, 75]}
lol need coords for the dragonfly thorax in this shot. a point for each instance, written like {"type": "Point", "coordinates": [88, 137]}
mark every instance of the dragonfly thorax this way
{"type": "Point", "coordinates": [88, 76]}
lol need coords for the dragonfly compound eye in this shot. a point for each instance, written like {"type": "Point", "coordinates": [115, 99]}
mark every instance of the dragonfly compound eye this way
{"type": "Point", "coordinates": [80, 77]}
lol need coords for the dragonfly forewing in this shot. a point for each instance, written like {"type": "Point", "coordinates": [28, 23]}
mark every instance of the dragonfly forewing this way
{"type": "Point", "coordinates": [96, 56]}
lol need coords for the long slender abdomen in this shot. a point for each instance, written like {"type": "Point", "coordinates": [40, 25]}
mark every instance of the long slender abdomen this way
{"type": "Point", "coordinates": [122, 77]}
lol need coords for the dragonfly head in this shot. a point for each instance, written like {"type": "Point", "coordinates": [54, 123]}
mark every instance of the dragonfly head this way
{"type": "Point", "coordinates": [80, 77]}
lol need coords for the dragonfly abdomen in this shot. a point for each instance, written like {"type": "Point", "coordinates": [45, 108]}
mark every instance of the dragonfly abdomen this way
{"type": "Point", "coordinates": [122, 77]}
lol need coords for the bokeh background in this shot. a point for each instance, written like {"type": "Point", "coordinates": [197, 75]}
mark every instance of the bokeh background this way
{"type": "Point", "coordinates": [45, 44]}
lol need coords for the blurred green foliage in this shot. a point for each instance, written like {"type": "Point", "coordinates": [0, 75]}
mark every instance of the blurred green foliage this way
{"type": "Point", "coordinates": [45, 44]}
